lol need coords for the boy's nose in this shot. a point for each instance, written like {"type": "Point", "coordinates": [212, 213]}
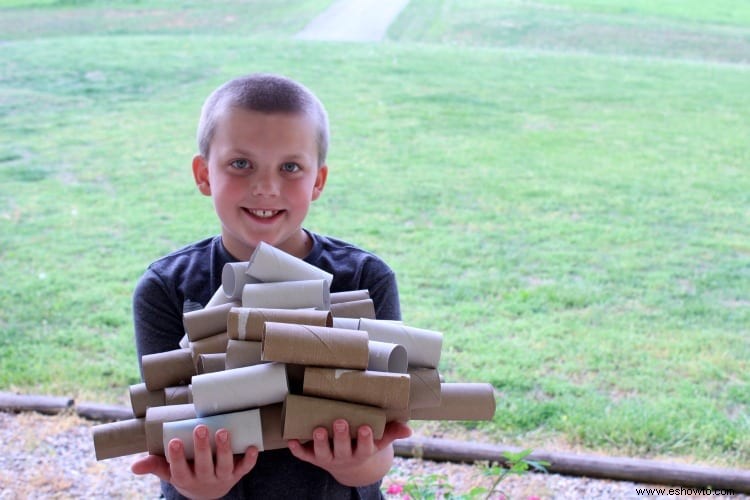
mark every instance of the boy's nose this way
{"type": "Point", "coordinates": [265, 184]}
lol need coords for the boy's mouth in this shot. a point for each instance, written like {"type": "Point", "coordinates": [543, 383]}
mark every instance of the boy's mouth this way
{"type": "Point", "coordinates": [263, 213]}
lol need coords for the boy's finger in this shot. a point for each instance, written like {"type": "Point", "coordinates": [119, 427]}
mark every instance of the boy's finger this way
{"type": "Point", "coordinates": [178, 466]}
{"type": "Point", "coordinates": [342, 441]}
{"type": "Point", "coordinates": [152, 464]}
{"type": "Point", "coordinates": [247, 462]}
{"type": "Point", "coordinates": [203, 461]}
{"type": "Point", "coordinates": [321, 446]}
{"type": "Point", "coordinates": [365, 444]}
{"type": "Point", "coordinates": [224, 456]}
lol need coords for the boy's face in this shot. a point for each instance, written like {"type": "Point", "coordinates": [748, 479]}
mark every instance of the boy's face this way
{"type": "Point", "coordinates": [262, 173]}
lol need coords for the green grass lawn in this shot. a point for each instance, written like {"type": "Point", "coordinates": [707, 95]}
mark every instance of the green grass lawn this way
{"type": "Point", "coordinates": [572, 212]}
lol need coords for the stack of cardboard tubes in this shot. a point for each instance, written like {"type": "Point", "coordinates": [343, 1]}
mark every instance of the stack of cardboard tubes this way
{"type": "Point", "coordinates": [274, 355]}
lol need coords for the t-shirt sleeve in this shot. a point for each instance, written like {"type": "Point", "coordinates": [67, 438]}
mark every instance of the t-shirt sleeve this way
{"type": "Point", "coordinates": [384, 295]}
{"type": "Point", "coordinates": [157, 319]}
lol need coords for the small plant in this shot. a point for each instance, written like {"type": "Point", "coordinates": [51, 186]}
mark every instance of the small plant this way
{"type": "Point", "coordinates": [515, 463]}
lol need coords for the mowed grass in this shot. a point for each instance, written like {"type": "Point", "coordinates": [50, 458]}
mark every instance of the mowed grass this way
{"type": "Point", "coordinates": [574, 219]}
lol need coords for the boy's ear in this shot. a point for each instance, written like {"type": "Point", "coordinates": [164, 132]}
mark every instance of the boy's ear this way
{"type": "Point", "coordinates": [200, 174]}
{"type": "Point", "coordinates": [320, 182]}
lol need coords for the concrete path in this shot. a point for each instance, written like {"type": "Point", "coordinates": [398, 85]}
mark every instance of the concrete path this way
{"type": "Point", "coordinates": [353, 21]}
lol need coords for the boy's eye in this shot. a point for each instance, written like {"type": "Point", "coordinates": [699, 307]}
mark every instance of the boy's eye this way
{"type": "Point", "coordinates": [290, 167]}
{"type": "Point", "coordinates": [240, 164]}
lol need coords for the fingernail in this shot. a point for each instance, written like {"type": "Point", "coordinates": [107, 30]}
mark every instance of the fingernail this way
{"type": "Point", "coordinates": [175, 444]}
{"type": "Point", "coordinates": [319, 435]}
{"type": "Point", "coordinates": [221, 436]}
{"type": "Point", "coordinates": [364, 432]}
{"type": "Point", "coordinates": [202, 432]}
{"type": "Point", "coordinates": [339, 426]}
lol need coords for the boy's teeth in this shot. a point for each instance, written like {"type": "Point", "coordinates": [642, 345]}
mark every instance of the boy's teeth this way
{"type": "Point", "coordinates": [263, 213]}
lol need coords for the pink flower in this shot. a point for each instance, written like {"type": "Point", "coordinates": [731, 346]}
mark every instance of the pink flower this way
{"type": "Point", "coordinates": [394, 489]}
{"type": "Point", "coordinates": [534, 497]}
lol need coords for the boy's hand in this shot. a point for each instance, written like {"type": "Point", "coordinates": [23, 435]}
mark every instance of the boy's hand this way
{"type": "Point", "coordinates": [202, 478]}
{"type": "Point", "coordinates": [352, 463]}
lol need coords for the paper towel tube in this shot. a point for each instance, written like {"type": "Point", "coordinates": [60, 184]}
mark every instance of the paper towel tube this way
{"type": "Point", "coordinates": [234, 278]}
{"type": "Point", "coordinates": [348, 296]}
{"type": "Point", "coordinates": [423, 346]}
{"type": "Point", "coordinates": [288, 295]}
{"type": "Point", "coordinates": [156, 416]}
{"type": "Point", "coordinates": [246, 323]}
{"type": "Point", "coordinates": [315, 345]}
{"type": "Point", "coordinates": [242, 353]}
{"type": "Point", "coordinates": [460, 401]}
{"type": "Point", "coordinates": [381, 389]}
{"type": "Point", "coordinates": [425, 388]}
{"type": "Point", "coordinates": [303, 414]}
{"type": "Point", "coordinates": [117, 439]}
{"type": "Point", "coordinates": [387, 357]}
{"type": "Point", "coordinates": [244, 431]}
{"type": "Point", "coordinates": [364, 308]}
{"type": "Point", "coordinates": [269, 264]}
{"type": "Point", "coordinates": [206, 322]}
{"type": "Point", "coordinates": [239, 389]}
{"type": "Point", "coordinates": [164, 369]}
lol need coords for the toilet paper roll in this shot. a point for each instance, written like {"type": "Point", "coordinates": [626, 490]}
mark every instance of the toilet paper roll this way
{"type": "Point", "coordinates": [234, 278]}
{"type": "Point", "coordinates": [423, 346]}
{"type": "Point", "coordinates": [349, 296]}
{"type": "Point", "coordinates": [460, 401]}
{"type": "Point", "coordinates": [346, 323]}
{"type": "Point", "coordinates": [271, 420]}
{"type": "Point", "coordinates": [164, 369]}
{"type": "Point", "coordinates": [215, 344]}
{"type": "Point", "coordinates": [381, 389]}
{"type": "Point", "coordinates": [246, 323]}
{"type": "Point", "coordinates": [206, 322]}
{"type": "Point", "coordinates": [212, 362]}
{"type": "Point", "coordinates": [387, 357]}
{"type": "Point", "coordinates": [244, 431]}
{"type": "Point", "coordinates": [156, 416]}
{"type": "Point", "coordinates": [315, 345]}
{"type": "Point", "coordinates": [269, 264]}
{"type": "Point", "coordinates": [303, 414]}
{"type": "Point", "coordinates": [117, 439]}
{"type": "Point", "coordinates": [239, 389]}
{"type": "Point", "coordinates": [364, 308]}
{"type": "Point", "coordinates": [242, 353]}
{"type": "Point", "coordinates": [178, 395]}
{"type": "Point", "coordinates": [424, 388]}
{"type": "Point", "coordinates": [141, 399]}
{"type": "Point", "coordinates": [288, 295]}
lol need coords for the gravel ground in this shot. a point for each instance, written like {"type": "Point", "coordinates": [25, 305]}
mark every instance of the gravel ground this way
{"type": "Point", "coordinates": [53, 457]}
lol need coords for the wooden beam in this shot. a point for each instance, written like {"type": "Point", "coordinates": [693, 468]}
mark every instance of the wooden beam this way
{"type": "Point", "coordinates": [43, 404]}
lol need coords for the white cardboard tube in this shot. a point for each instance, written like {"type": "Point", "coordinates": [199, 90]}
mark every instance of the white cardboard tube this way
{"type": "Point", "coordinates": [287, 295]}
{"type": "Point", "coordinates": [239, 389]}
{"type": "Point", "coordinates": [234, 278]}
{"type": "Point", "coordinates": [269, 264]}
{"type": "Point", "coordinates": [422, 346]}
{"type": "Point", "coordinates": [387, 357]}
{"type": "Point", "coordinates": [244, 431]}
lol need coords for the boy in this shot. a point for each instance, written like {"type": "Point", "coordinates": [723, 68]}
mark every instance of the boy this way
{"type": "Point", "coordinates": [262, 143]}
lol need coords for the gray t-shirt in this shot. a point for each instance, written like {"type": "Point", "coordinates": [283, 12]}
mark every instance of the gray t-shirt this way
{"type": "Point", "coordinates": [187, 278]}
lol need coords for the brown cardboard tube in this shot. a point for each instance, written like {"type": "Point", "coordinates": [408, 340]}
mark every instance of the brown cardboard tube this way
{"type": "Point", "coordinates": [246, 323]}
{"type": "Point", "coordinates": [269, 264]}
{"type": "Point", "coordinates": [244, 431]}
{"type": "Point", "coordinates": [239, 389]}
{"type": "Point", "coordinates": [425, 388]}
{"type": "Point", "coordinates": [397, 415]}
{"type": "Point", "coordinates": [234, 278]}
{"type": "Point", "coordinates": [216, 344]}
{"type": "Point", "coordinates": [460, 401]}
{"type": "Point", "coordinates": [348, 296]}
{"type": "Point", "coordinates": [364, 308]}
{"type": "Point", "coordinates": [206, 322]}
{"type": "Point", "coordinates": [142, 399]}
{"type": "Point", "coordinates": [212, 362]}
{"type": "Point", "coordinates": [156, 416]}
{"type": "Point", "coordinates": [117, 439]}
{"type": "Point", "coordinates": [384, 390]}
{"type": "Point", "coordinates": [303, 414]}
{"type": "Point", "coordinates": [164, 369]}
{"type": "Point", "coordinates": [242, 353]}
{"type": "Point", "coordinates": [315, 345]}
{"type": "Point", "coordinates": [178, 395]}
{"type": "Point", "coordinates": [387, 357]}
{"type": "Point", "coordinates": [288, 295]}
{"type": "Point", "coordinates": [271, 420]}
{"type": "Point", "coordinates": [346, 323]}
{"type": "Point", "coordinates": [423, 346]}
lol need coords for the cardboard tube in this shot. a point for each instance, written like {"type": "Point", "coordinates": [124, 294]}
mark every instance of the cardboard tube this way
{"type": "Point", "coordinates": [287, 295]}
{"type": "Point", "coordinates": [239, 389]}
{"type": "Point", "coordinates": [303, 414]}
{"type": "Point", "coordinates": [117, 439]}
{"type": "Point", "coordinates": [178, 395]}
{"type": "Point", "coordinates": [423, 346]}
{"type": "Point", "coordinates": [271, 420]}
{"type": "Point", "coordinates": [234, 278]}
{"type": "Point", "coordinates": [460, 401]}
{"type": "Point", "coordinates": [244, 431]}
{"type": "Point", "coordinates": [387, 357]}
{"type": "Point", "coordinates": [349, 296]}
{"type": "Point", "coordinates": [212, 362]}
{"type": "Point", "coordinates": [269, 264]}
{"type": "Point", "coordinates": [216, 344]}
{"type": "Point", "coordinates": [246, 323]}
{"type": "Point", "coordinates": [156, 416]}
{"type": "Point", "coordinates": [384, 390]}
{"type": "Point", "coordinates": [242, 353]}
{"type": "Point", "coordinates": [346, 323]}
{"type": "Point", "coordinates": [424, 389]}
{"type": "Point", "coordinates": [205, 323]}
{"type": "Point", "coordinates": [315, 345]}
{"type": "Point", "coordinates": [165, 369]}
{"type": "Point", "coordinates": [141, 399]}
{"type": "Point", "coordinates": [364, 308]}
{"type": "Point", "coordinates": [219, 298]}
